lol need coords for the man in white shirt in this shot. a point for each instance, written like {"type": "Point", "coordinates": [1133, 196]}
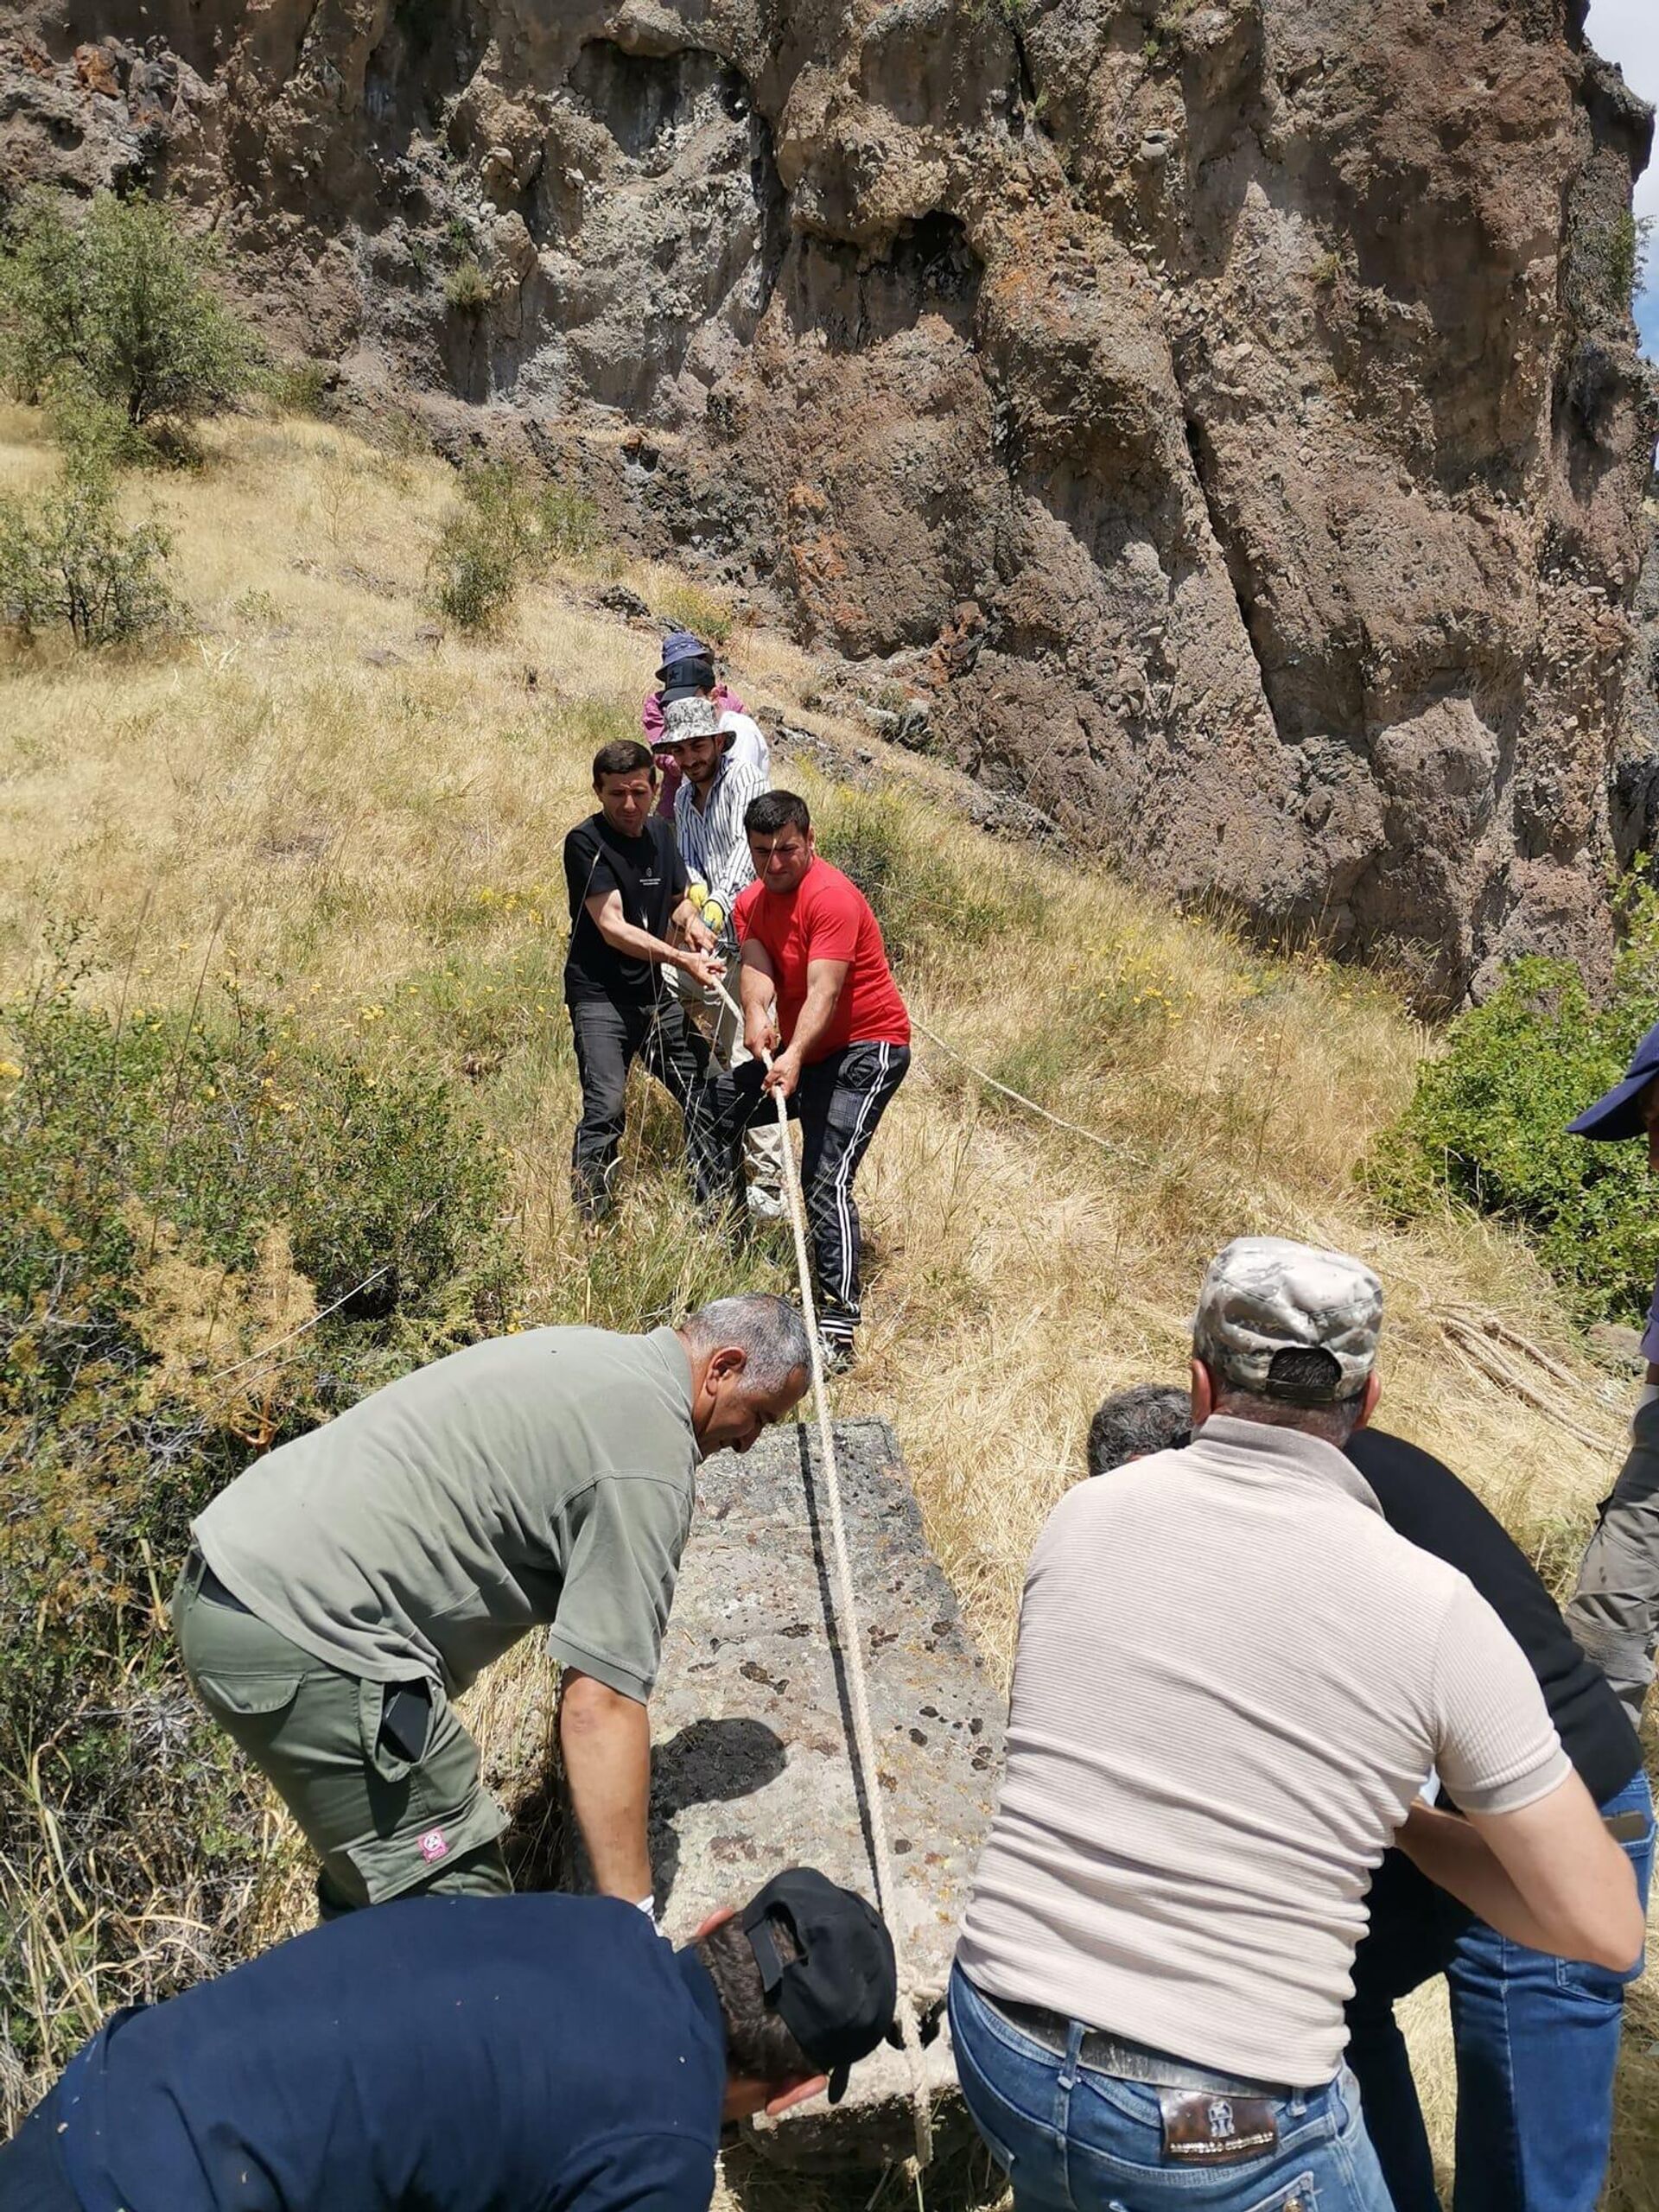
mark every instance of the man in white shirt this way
{"type": "Point", "coordinates": [720, 774]}
{"type": "Point", "coordinates": [1233, 1679]}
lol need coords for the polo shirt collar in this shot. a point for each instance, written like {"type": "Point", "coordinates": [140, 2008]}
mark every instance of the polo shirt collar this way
{"type": "Point", "coordinates": [677, 1361]}
{"type": "Point", "coordinates": [1262, 1448]}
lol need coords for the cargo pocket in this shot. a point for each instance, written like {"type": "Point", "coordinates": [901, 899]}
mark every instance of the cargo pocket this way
{"type": "Point", "coordinates": [436, 1851]}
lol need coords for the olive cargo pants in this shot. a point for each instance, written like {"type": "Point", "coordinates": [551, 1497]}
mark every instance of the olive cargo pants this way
{"type": "Point", "coordinates": [383, 1824]}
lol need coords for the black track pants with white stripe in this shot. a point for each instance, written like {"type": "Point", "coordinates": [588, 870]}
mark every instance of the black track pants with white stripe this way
{"type": "Point", "coordinates": [838, 1100]}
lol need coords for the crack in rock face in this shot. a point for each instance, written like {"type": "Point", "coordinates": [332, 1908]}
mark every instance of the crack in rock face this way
{"type": "Point", "coordinates": [1224, 421]}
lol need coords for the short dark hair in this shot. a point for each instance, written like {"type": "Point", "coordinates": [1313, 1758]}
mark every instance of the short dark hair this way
{"type": "Point", "coordinates": [623, 756]}
{"type": "Point", "coordinates": [757, 2042]}
{"type": "Point", "coordinates": [1304, 1374]}
{"type": "Point", "coordinates": [774, 811]}
{"type": "Point", "coordinates": [1131, 1424]}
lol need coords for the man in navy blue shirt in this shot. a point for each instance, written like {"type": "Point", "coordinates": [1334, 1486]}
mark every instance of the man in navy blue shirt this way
{"type": "Point", "coordinates": [512, 2054]}
{"type": "Point", "coordinates": [1536, 2038]}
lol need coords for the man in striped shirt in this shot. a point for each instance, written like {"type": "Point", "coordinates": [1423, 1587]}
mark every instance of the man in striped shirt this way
{"type": "Point", "coordinates": [718, 778]}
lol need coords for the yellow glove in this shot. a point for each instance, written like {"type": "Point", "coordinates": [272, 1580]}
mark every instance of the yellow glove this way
{"type": "Point", "coordinates": [697, 891]}
{"type": "Point", "coordinates": [714, 915]}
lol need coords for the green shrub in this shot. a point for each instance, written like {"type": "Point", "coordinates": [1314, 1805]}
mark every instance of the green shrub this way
{"type": "Point", "coordinates": [921, 895]}
{"type": "Point", "coordinates": [467, 288]}
{"type": "Point", "coordinates": [67, 559]}
{"type": "Point", "coordinates": [1487, 1126]}
{"type": "Point", "coordinates": [504, 530]}
{"type": "Point", "coordinates": [213, 1232]}
{"type": "Point", "coordinates": [685, 606]}
{"type": "Point", "coordinates": [123, 303]}
{"type": "Point", "coordinates": [299, 387]}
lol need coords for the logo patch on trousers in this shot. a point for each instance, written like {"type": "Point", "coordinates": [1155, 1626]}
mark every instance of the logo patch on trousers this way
{"type": "Point", "coordinates": [433, 1845]}
{"type": "Point", "coordinates": [1216, 2130]}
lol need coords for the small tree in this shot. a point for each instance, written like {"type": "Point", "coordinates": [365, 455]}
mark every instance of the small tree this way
{"type": "Point", "coordinates": [504, 530]}
{"type": "Point", "coordinates": [67, 557]}
{"type": "Point", "coordinates": [120, 305]}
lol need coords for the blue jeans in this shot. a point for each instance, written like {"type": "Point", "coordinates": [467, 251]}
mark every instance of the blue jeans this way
{"type": "Point", "coordinates": [1073, 2140]}
{"type": "Point", "coordinates": [1536, 2042]}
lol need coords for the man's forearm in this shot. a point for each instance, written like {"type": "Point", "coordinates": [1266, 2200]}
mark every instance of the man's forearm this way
{"type": "Point", "coordinates": [1456, 1858]}
{"type": "Point", "coordinates": [605, 1740]}
{"type": "Point", "coordinates": [755, 990]}
{"type": "Point", "coordinates": [638, 945]}
{"type": "Point", "coordinates": [814, 1017]}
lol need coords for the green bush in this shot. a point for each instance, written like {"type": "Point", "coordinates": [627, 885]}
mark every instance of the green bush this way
{"type": "Point", "coordinates": [921, 895]}
{"type": "Point", "coordinates": [121, 303]}
{"type": "Point", "coordinates": [213, 1232]}
{"type": "Point", "coordinates": [504, 530]}
{"type": "Point", "coordinates": [67, 559]}
{"type": "Point", "coordinates": [1487, 1126]}
{"type": "Point", "coordinates": [467, 288]}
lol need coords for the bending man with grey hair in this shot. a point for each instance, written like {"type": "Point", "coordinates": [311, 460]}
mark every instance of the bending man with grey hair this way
{"type": "Point", "coordinates": [1233, 1679]}
{"type": "Point", "coordinates": [343, 1590]}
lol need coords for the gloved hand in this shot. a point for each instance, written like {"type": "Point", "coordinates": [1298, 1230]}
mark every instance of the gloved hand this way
{"type": "Point", "coordinates": [714, 915]}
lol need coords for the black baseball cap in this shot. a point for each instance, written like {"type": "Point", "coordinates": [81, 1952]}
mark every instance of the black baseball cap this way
{"type": "Point", "coordinates": [838, 1996]}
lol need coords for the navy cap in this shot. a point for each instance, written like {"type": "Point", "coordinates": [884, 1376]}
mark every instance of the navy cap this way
{"type": "Point", "coordinates": [1619, 1114]}
{"type": "Point", "coordinates": [837, 1997]}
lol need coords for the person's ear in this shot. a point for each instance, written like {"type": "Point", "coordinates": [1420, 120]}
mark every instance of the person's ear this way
{"type": "Point", "coordinates": [1203, 1395]}
{"type": "Point", "coordinates": [729, 1361]}
{"type": "Point", "coordinates": [716, 1920]}
{"type": "Point", "coordinates": [1369, 1397]}
{"type": "Point", "coordinates": [796, 2093]}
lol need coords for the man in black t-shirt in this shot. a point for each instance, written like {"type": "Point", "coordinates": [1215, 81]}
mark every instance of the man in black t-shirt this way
{"type": "Point", "coordinates": [1536, 2037]}
{"type": "Point", "coordinates": [626, 887]}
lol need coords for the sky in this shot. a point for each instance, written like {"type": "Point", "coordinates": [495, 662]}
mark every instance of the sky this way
{"type": "Point", "coordinates": [1627, 31]}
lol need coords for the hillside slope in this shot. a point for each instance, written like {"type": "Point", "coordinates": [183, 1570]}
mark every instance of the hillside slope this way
{"type": "Point", "coordinates": [361, 818]}
{"type": "Point", "coordinates": [1220, 423]}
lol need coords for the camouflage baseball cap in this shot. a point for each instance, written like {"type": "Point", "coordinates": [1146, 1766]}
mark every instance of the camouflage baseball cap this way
{"type": "Point", "coordinates": [1265, 1294]}
{"type": "Point", "coordinates": [684, 719]}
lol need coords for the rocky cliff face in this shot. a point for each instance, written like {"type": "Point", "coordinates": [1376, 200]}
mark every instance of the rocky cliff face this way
{"type": "Point", "coordinates": [1219, 423]}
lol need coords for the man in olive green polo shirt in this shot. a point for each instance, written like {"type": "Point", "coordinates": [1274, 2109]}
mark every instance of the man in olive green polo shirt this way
{"type": "Point", "coordinates": [346, 1586]}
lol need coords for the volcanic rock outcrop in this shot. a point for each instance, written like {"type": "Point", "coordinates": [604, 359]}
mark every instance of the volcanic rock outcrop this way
{"type": "Point", "coordinates": [1217, 421]}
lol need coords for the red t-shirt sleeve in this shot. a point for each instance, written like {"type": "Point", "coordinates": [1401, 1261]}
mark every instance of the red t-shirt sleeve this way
{"type": "Point", "coordinates": [743, 914]}
{"type": "Point", "coordinates": [829, 925]}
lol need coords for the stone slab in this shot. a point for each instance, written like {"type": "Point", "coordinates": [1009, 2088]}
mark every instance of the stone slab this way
{"type": "Point", "coordinates": [752, 1763]}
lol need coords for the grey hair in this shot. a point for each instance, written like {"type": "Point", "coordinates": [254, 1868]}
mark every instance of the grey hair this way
{"type": "Point", "coordinates": [1146, 1418]}
{"type": "Point", "coordinates": [770, 1330]}
{"type": "Point", "coordinates": [1295, 1368]}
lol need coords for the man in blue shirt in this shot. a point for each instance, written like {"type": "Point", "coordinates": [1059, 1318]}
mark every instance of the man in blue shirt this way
{"type": "Point", "coordinates": [514, 2054]}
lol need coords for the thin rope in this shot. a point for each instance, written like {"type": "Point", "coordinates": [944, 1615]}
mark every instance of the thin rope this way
{"type": "Point", "coordinates": [852, 1635]}
{"type": "Point", "coordinates": [1106, 1144]}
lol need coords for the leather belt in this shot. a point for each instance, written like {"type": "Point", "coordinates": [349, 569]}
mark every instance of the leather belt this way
{"type": "Point", "coordinates": [1130, 2062]}
{"type": "Point", "coordinates": [209, 1586]}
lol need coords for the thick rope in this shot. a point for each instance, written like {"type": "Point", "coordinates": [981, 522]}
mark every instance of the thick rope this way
{"type": "Point", "coordinates": [1076, 1128]}
{"type": "Point", "coordinates": [852, 1635]}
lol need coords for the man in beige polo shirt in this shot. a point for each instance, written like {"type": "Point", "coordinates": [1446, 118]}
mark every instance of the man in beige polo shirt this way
{"type": "Point", "coordinates": [1233, 1680]}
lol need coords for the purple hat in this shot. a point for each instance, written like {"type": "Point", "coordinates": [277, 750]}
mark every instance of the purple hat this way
{"type": "Point", "coordinates": [1618, 1112]}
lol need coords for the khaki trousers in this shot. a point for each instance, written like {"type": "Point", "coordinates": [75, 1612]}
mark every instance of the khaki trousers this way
{"type": "Point", "coordinates": [382, 1825]}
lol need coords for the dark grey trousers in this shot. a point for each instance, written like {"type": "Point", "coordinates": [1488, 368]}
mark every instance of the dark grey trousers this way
{"type": "Point", "coordinates": [1614, 1612]}
{"type": "Point", "coordinates": [609, 1038]}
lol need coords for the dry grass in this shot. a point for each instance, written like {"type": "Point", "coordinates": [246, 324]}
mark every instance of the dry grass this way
{"type": "Point", "coordinates": [325, 793]}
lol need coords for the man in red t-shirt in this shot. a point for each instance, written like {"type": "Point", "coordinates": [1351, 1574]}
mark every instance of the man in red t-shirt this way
{"type": "Point", "coordinates": [811, 945]}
